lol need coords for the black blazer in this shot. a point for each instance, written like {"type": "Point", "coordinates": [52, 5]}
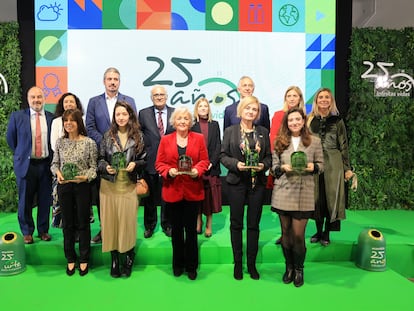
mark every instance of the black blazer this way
{"type": "Point", "coordinates": [231, 154]}
{"type": "Point", "coordinates": [213, 146]}
{"type": "Point", "coordinates": [149, 128]}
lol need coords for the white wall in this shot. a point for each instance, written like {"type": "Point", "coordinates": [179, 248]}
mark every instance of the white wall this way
{"type": "Point", "coordinates": [393, 14]}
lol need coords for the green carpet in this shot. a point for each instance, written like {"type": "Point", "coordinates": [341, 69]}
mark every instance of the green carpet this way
{"type": "Point", "coordinates": [332, 281]}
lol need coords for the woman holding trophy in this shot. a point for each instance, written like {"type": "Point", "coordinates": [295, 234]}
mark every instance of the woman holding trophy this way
{"type": "Point", "coordinates": [296, 158]}
{"type": "Point", "coordinates": [121, 160]}
{"type": "Point", "coordinates": [245, 152]}
{"type": "Point", "coordinates": [74, 164]}
{"type": "Point", "coordinates": [182, 159]}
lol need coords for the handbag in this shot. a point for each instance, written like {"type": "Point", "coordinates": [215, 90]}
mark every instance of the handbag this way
{"type": "Point", "coordinates": [142, 188]}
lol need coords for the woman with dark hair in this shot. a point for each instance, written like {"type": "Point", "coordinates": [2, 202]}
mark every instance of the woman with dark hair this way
{"type": "Point", "coordinates": [65, 102]}
{"type": "Point", "coordinates": [74, 164]}
{"type": "Point", "coordinates": [121, 160]}
{"type": "Point", "coordinates": [296, 158]}
{"type": "Point", "coordinates": [293, 98]}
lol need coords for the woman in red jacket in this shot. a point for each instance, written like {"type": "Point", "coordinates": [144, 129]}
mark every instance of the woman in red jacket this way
{"type": "Point", "coordinates": [182, 159]}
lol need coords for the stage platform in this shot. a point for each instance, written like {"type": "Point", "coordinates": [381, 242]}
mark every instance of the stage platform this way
{"type": "Point", "coordinates": [332, 280]}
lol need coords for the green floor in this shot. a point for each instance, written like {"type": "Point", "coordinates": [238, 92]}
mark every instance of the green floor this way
{"type": "Point", "coordinates": [332, 281]}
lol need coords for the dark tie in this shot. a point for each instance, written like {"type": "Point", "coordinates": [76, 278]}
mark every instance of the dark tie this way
{"type": "Point", "coordinates": [38, 137]}
{"type": "Point", "coordinates": [160, 124]}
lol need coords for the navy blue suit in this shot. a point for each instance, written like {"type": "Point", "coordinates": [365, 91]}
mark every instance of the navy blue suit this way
{"type": "Point", "coordinates": [98, 120]}
{"type": "Point", "coordinates": [98, 123]}
{"type": "Point", "coordinates": [230, 116]}
{"type": "Point", "coordinates": [32, 176]}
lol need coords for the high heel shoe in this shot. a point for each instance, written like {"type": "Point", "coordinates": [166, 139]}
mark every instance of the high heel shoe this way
{"type": "Point", "coordinates": [69, 271]}
{"type": "Point", "coordinates": [83, 272]}
{"type": "Point", "coordinates": [208, 233]}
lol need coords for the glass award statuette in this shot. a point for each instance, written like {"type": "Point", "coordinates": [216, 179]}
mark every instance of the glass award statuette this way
{"type": "Point", "coordinates": [252, 158]}
{"type": "Point", "coordinates": [69, 171]}
{"type": "Point", "coordinates": [118, 161]}
{"type": "Point", "coordinates": [185, 164]}
{"type": "Point", "coordinates": [299, 161]}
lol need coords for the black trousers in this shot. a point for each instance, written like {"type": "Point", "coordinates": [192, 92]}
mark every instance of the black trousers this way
{"type": "Point", "coordinates": [240, 195]}
{"type": "Point", "coordinates": [150, 204]}
{"type": "Point", "coordinates": [184, 234]}
{"type": "Point", "coordinates": [75, 201]}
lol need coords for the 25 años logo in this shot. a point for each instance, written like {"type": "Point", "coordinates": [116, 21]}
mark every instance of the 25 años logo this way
{"type": "Point", "coordinates": [386, 84]}
{"type": "Point", "coordinates": [180, 97]}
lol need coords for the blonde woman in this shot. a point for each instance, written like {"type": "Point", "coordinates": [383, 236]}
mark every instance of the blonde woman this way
{"type": "Point", "coordinates": [210, 129]}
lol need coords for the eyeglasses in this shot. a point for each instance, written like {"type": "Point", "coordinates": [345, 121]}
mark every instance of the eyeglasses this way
{"type": "Point", "coordinates": [158, 95]}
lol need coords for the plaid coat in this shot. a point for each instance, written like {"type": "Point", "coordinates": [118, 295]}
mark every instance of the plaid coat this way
{"type": "Point", "coordinates": [295, 191]}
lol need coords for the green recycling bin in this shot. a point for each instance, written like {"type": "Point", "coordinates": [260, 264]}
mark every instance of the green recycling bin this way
{"type": "Point", "coordinates": [371, 252]}
{"type": "Point", "coordinates": [12, 254]}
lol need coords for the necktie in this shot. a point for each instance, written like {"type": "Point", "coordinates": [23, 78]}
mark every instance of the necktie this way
{"type": "Point", "coordinates": [160, 124]}
{"type": "Point", "coordinates": [38, 137]}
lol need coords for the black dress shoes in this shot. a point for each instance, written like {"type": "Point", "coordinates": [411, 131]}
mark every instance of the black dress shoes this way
{"type": "Point", "coordinates": [69, 271]}
{"type": "Point", "coordinates": [167, 231]}
{"type": "Point", "coordinates": [315, 238]}
{"type": "Point", "coordinates": [97, 238]}
{"type": "Point", "coordinates": [148, 233]}
{"type": "Point", "coordinates": [84, 271]}
{"type": "Point", "coordinates": [178, 271]}
{"type": "Point", "coordinates": [192, 275]}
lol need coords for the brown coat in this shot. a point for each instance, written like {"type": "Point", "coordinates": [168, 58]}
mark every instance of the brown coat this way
{"type": "Point", "coordinates": [294, 191]}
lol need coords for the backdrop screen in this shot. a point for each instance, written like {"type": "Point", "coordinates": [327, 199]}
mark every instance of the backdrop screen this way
{"type": "Point", "coordinates": [194, 48]}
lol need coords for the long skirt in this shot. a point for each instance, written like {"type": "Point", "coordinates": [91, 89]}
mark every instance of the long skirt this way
{"type": "Point", "coordinates": [119, 207]}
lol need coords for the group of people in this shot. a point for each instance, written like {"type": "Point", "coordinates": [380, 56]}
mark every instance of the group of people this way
{"type": "Point", "coordinates": [98, 160]}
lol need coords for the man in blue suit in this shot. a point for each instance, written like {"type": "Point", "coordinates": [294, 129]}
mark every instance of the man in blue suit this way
{"type": "Point", "coordinates": [28, 136]}
{"type": "Point", "coordinates": [245, 88]}
{"type": "Point", "coordinates": [99, 116]}
{"type": "Point", "coordinates": [153, 130]}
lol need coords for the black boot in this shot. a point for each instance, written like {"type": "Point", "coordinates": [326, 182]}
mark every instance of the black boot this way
{"type": "Point", "coordinates": [289, 272]}
{"type": "Point", "coordinates": [115, 273]}
{"type": "Point", "coordinates": [298, 260]}
{"type": "Point", "coordinates": [129, 263]}
{"type": "Point", "coordinates": [298, 280]}
{"type": "Point", "coordinates": [254, 274]}
{"type": "Point", "coordinates": [238, 270]}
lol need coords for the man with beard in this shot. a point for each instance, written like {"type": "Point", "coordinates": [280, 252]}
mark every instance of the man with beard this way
{"type": "Point", "coordinates": [99, 117]}
{"type": "Point", "coordinates": [28, 136]}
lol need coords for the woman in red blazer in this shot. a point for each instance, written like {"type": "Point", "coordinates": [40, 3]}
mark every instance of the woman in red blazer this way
{"type": "Point", "coordinates": [182, 159]}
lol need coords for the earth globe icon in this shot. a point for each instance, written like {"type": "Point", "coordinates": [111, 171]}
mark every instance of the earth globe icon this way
{"type": "Point", "coordinates": [288, 15]}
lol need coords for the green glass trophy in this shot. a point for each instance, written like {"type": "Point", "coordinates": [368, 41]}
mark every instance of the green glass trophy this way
{"type": "Point", "coordinates": [299, 161]}
{"type": "Point", "coordinates": [69, 171]}
{"type": "Point", "coordinates": [252, 158]}
{"type": "Point", "coordinates": [118, 161]}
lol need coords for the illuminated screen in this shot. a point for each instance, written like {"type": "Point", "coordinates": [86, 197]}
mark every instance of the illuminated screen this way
{"type": "Point", "coordinates": [193, 48]}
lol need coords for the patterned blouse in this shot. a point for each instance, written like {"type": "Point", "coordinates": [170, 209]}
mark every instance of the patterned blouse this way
{"type": "Point", "coordinates": [81, 152]}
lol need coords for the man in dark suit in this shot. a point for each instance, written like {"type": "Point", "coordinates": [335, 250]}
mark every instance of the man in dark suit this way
{"type": "Point", "coordinates": [28, 135]}
{"type": "Point", "coordinates": [99, 117]}
{"type": "Point", "coordinates": [153, 128]}
{"type": "Point", "coordinates": [245, 88]}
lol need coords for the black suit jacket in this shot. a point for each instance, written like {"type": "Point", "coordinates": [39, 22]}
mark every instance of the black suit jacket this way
{"type": "Point", "coordinates": [149, 128]}
{"type": "Point", "coordinates": [213, 146]}
{"type": "Point", "coordinates": [231, 154]}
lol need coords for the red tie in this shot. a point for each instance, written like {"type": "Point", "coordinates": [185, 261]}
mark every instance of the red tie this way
{"type": "Point", "coordinates": [160, 124]}
{"type": "Point", "coordinates": [38, 137]}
